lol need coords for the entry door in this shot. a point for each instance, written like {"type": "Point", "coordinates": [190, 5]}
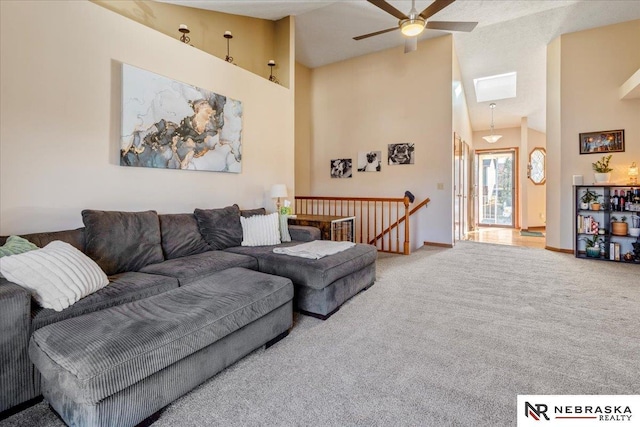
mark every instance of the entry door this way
{"type": "Point", "coordinates": [461, 187]}
{"type": "Point", "coordinates": [496, 188]}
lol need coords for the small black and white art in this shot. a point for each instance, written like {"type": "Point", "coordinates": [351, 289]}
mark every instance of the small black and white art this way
{"type": "Point", "coordinates": [369, 161]}
{"type": "Point", "coordinates": [401, 154]}
{"type": "Point", "coordinates": [341, 168]}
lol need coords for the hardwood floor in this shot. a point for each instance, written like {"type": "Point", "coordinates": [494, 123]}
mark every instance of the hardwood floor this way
{"type": "Point", "coordinates": [506, 236]}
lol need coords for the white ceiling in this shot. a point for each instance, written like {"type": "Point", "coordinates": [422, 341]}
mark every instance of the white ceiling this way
{"type": "Point", "coordinates": [511, 35]}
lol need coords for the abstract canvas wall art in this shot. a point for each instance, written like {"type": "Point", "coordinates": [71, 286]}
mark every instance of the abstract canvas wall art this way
{"type": "Point", "coordinates": [173, 125]}
{"type": "Point", "coordinates": [369, 161]}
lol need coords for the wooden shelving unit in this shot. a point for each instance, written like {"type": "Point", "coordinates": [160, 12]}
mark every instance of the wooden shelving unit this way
{"type": "Point", "coordinates": [603, 218]}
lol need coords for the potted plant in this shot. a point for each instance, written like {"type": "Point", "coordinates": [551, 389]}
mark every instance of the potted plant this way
{"type": "Point", "coordinates": [587, 198]}
{"type": "Point", "coordinates": [602, 169]}
{"type": "Point", "coordinates": [592, 246]}
{"type": "Point", "coordinates": [619, 228]}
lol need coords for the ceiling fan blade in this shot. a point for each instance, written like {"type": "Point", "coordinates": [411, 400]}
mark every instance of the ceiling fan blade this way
{"type": "Point", "coordinates": [388, 8]}
{"type": "Point", "coordinates": [435, 7]}
{"type": "Point", "coordinates": [411, 44]}
{"type": "Point", "coordinates": [375, 34]}
{"type": "Point", "coordinates": [451, 25]}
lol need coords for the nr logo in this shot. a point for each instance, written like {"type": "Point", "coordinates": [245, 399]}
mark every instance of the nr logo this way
{"type": "Point", "coordinates": [536, 411]}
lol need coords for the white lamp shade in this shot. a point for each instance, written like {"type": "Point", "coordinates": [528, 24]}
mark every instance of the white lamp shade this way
{"type": "Point", "coordinates": [492, 138]}
{"type": "Point", "coordinates": [278, 190]}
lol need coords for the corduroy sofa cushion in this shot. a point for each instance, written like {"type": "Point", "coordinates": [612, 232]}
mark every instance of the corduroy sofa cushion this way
{"type": "Point", "coordinates": [312, 273]}
{"type": "Point", "coordinates": [221, 228]}
{"type": "Point", "coordinates": [122, 241]}
{"type": "Point", "coordinates": [122, 288]}
{"type": "Point", "coordinates": [181, 236]}
{"type": "Point", "coordinates": [96, 355]}
{"type": "Point", "coordinates": [191, 268]}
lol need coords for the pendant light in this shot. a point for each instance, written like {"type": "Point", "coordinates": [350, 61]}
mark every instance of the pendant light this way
{"type": "Point", "coordinates": [492, 138]}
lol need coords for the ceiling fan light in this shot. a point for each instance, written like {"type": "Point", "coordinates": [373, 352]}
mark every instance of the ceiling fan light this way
{"type": "Point", "coordinates": [412, 27]}
{"type": "Point", "coordinates": [492, 138]}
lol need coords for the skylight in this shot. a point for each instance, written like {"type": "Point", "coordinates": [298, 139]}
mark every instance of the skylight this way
{"type": "Point", "coordinates": [491, 88]}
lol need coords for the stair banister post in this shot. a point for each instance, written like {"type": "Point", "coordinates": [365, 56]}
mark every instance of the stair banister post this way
{"type": "Point", "coordinates": [407, 247]}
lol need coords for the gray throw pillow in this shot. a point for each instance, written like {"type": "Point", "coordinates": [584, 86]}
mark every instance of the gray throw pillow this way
{"type": "Point", "coordinates": [122, 241]}
{"type": "Point", "coordinates": [248, 213]}
{"type": "Point", "coordinates": [221, 228]}
{"type": "Point", "coordinates": [181, 236]}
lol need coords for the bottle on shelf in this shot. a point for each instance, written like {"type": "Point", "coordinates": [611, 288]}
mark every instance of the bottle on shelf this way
{"type": "Point", "coordinates": [614, 202]}
{"type": "Point", "coordinates": [622, 201]}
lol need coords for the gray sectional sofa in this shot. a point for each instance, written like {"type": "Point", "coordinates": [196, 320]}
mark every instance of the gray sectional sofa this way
{"type": "Point", "coordinates": [184, 301]}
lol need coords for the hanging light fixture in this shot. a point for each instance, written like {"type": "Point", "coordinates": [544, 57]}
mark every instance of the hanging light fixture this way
{"type": "Point", "coordinates": [228, 36]}
{"type": "Point", "coordinates": [492, 138]}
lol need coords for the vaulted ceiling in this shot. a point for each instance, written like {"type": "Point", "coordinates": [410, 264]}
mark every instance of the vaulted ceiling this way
{"type": "Point", "coordinates": [512, 35]}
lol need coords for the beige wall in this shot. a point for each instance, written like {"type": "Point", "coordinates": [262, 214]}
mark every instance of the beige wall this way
{"type": "Point", "coordinates": [303, 130]}
{"type": "Point", "coordinates": [284, 45]}
{"type": "Point", "coordinates": [255, 41]}
{"type": "Point", "coordinates": [60, 114]}
{"type": "Point", "coordinates": [554, 152]}
{"type": "Point", "coordinates": [535, 213]}
{"type": "Point", "coordinates": [461, 120]}
{"type": "Point", "coordinates": [588, 68]}
{"type": "Point", "coordinates": [368, 102]}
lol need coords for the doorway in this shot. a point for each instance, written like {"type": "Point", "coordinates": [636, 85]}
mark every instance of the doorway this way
{"type": "Point", "coordinates": [462, 208]}
{"type": "Point", "coordinates": [497, 202]}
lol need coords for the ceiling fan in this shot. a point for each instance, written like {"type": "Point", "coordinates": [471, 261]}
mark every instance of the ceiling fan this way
{"type": "Point", "coordinates": [413, 24]}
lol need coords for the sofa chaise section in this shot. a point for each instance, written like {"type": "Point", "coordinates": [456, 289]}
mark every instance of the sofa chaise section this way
{"type": "Point", "coordinates": [146, 353]}
{"type": "Point", "coordinates": [19, 380]}
{"type": "Point", "coordinates": [16, 372]}
{"type": "Point", "coordinates": [322, 285]}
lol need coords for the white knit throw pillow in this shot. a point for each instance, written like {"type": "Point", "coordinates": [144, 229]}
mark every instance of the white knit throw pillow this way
{"type": "Point", "coordinates": [57, 275]}
{"type": "Point", "coordinates": [260, 230]}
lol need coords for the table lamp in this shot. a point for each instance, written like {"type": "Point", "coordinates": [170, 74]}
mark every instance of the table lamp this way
{"type": "Point", "coordinates": [278, 191]}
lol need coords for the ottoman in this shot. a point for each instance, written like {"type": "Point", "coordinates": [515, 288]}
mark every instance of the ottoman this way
{"type": "Point", "coordinates": [321, 285]}
{"type": "Point", "coordinates": [120, 365]}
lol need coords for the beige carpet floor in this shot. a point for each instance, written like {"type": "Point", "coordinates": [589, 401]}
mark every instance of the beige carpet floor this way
{"type": "Point", "coordinates": [446, 337]}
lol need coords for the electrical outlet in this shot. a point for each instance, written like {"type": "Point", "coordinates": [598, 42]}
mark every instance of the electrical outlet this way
{"type": "Point", "coordinates": [440, 186]}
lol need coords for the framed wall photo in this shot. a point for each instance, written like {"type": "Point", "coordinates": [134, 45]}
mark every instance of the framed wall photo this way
{"type": "Point", "coordinates": [341, 168]}
{"type": "Point", "coordinates": [401, 154]}
{"type": "Point", "coordinates": [369, 161]}
{"type": "Point", "coordinates": [604, 141]}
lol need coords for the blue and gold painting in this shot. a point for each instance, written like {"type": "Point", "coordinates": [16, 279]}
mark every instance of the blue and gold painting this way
{"type": "Point", "coordinates": [172, 125]}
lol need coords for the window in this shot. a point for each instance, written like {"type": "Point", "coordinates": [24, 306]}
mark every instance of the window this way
{"type": "Point", "coordinates": [537, 166]}
{"type": "Point", "coordinates": [491, 88]}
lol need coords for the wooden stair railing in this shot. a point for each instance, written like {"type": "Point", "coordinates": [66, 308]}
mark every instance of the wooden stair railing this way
{"type": "Point", "coordinates": [374, 216]}
{"type": "Point", "coordinates": [400, 221]}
